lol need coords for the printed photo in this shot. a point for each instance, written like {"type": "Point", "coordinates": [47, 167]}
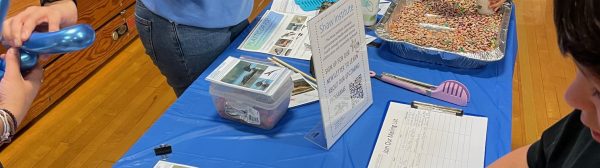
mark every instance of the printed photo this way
{"type": "Point", "coordinates": [299, 19]}
{"type": "Point", "coordinates": [247, 75]}
{"type": "Point", "coordinates": [303, 91]}
{"type": "Point", "coordinates": [262, 84]}
{"type": "Point", "coordinates": [289, 35]}
{"type": "Point", "coordinates": [301, 86]}
{"type": "Point", "coordinates": [288, 52]}
{"type": "Point", "coordinates": [283, 42]}
{"type": "Point", "coordinates": [294, 27]}
{"type": "Point", "coordinates": [277, 50]}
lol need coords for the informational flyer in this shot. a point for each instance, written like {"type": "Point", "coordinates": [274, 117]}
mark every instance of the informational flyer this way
{"type": "Point", "coordinates": [337, 38]}
{"type": "Point", "coordinates": [280, 34]}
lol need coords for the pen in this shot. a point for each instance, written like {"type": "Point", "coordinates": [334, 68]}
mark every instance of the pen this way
{"type": "Point", "coordinates": [284, 64]}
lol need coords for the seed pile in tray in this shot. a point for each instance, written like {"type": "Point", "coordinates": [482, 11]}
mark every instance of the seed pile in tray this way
{"type": "Point", "coordinates": [452, 25]}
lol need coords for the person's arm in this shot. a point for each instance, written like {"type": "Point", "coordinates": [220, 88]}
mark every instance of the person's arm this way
{"type": "Point", "coordinates": [514, 159]}
{"type": "Point", "coordinates": [17, 92]}
{"type": "Point", "coordinates": [55, 15]}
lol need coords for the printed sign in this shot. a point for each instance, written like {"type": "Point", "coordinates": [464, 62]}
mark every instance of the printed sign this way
{"type": "Point", "coordinates": [337, 38]}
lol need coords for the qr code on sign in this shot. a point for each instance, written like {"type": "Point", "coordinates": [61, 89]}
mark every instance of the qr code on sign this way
{"type": "Point", "coordinates": [356, 89]}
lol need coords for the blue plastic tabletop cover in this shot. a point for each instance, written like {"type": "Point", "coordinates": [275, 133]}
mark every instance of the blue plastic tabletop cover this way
{"type": "Point", "coordinates": [199, 137]}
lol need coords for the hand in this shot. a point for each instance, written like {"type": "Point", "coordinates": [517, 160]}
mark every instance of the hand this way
{"type": "Point", "coordinates": [17, 92]}
{"type": "Point", "coordinates": [18, 28]}
{"type": "Point", "coordinates": [496, 4]}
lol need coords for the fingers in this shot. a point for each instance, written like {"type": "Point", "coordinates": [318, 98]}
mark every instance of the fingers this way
{"type": "Point", "coordinates": [34, 77]}
{"type": "Point", "coordinates": [12, 69]}
{"type": "Point", "coordinates": [15, 34]}
{"type": "Point", "coordinates": [496, 5]}
{"type": "Point", "coordinates": [495, 1]}
{"type": "Point", "coordinates": [11, 29]}
{"type": "Point", "coordinates": [53, 21]}
{"type": "Point", "coordinates": [18, 29]}
{"type": "Point", "coordinates": [14, 27]}
{"type": "Point", "coordinates": [6, 32]}
{"type": "Point", "coordinates": [29, 24]}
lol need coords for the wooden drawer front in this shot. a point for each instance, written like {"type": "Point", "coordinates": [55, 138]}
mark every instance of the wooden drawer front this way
{"type": "Point", "coordinates": [67, 71]}
{"type": "Point", "coordinates": [93, 12]}
{"type": "Point", "coordinates": [127, 2]}
{"type": "Point", "coordinates": [17, 6]}
{"type": "Point", "coordinates": [98, 12]}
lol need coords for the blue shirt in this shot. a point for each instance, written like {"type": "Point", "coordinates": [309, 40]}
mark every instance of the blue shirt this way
{"type": "Point", "coordinates": [202, 13]}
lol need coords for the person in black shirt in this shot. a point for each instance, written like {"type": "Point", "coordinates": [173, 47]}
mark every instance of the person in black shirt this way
{"type": "Point", "coordinates": [574, 141]}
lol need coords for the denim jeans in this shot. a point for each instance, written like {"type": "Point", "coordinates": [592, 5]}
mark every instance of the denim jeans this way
{"type": "Point", "coordinates": [181, 52]}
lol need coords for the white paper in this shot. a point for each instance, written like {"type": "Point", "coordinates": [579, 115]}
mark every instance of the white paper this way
{"type": "Point", "coordinates": [383, 6]}
{"type": "Point", "coordinates": [337, 38]}
{"type": "Point", "coordinates": [280, 34]}
{"type": "Point", "coordinates": [418, 138]}
{"type": "Point", "coordinates": [290, 6]}
{"type": "Point", "coordinates": [165, 164]}
{"type": "Point", "coordinates": [303, 92]}
{"type": "Point", "coordinates": [369, 39]}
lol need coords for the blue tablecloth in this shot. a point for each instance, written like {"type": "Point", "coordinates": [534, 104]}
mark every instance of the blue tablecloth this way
{"type": "Point", "coordinates": [201, 138]}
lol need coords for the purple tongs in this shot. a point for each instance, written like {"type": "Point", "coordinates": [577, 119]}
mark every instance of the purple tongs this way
{"type": "Point", "coordinates": [451, 91]}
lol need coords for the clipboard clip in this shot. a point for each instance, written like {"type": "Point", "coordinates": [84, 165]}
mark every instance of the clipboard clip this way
{"type": "Point", "coordinates": [436, 108]}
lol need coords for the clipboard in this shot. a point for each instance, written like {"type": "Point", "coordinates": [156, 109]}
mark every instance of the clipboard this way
{"type": "Point", "coordinates": [427, 135]}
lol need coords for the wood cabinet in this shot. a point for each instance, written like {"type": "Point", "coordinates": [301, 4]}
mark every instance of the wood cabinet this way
{"type": "Point", "coordinates": [114, 23]}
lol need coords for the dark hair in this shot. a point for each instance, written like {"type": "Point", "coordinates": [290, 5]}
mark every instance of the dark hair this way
{"type": "Point", "coordinates": [578, 30]}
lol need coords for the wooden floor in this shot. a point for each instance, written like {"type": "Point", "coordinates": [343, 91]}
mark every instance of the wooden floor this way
{"type": "Point", "coordinates": [542, 74]}
{"type": "Point", "coordinates": [97, 123]}
{"type": "Point", "coordinates": [100, 120]}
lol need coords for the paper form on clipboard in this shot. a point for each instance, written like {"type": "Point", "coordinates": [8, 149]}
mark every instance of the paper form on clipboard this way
{"type": "Point", "coordinates": [411, 137]}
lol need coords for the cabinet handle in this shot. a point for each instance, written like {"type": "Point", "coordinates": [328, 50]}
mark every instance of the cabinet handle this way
{"type": "Point", "coordinates": [120, 31]}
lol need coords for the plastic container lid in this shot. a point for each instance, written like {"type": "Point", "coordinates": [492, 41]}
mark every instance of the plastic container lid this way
{"type": "Point", "coordinates": [267, 102]}
{"type": "Point", "coordinates": [310, 5]}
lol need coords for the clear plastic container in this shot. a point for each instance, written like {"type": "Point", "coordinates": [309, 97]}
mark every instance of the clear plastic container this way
{"type": "Point", "coordinates": [252, 108]}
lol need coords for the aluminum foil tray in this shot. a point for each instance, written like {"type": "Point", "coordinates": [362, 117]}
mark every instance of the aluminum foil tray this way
{"type": "Point", "coordinates": [438, 56]}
